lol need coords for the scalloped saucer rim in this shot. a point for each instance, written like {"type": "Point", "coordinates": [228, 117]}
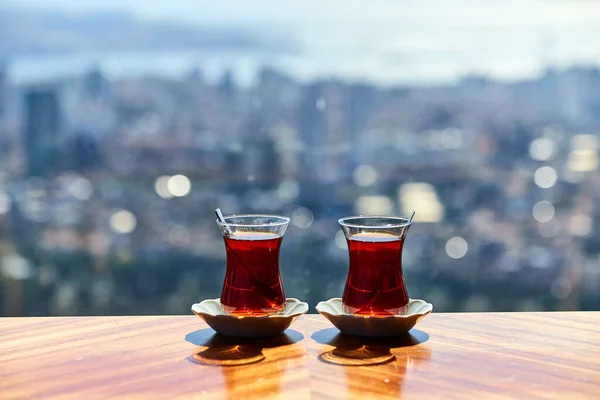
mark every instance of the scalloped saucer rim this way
{"type": "Point", "coordinates": [373, 326]}
{"type": "Point", "coordinates": [249, 326]}
{"type": "Point", "coordinates": [213, 308]}
{"type": "Point", "coordinates": [419, 307]}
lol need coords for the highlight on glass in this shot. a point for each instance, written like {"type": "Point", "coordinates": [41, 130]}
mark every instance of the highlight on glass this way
{"type": "Point", "coordinates": [252, 283]}
{"type": "Point", "coordinates": [375, 284]}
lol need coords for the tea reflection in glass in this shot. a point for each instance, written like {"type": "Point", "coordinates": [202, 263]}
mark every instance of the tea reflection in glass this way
{"type": "Point", "coordinates": [253, 281]}
{"type": "Point", "coordinates": [375, 283]}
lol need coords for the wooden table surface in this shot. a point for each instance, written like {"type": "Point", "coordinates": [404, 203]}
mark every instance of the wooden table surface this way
{"type": "Point", "coordinates": [447, 356]}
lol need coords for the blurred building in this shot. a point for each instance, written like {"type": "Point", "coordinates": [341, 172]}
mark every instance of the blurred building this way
{"type": "Point", "coordinates": [227, 84]}
{"type": "Point", "coordinates": [4, 140]}
{"type": "Point", "coordinates": [322, 123]}
{"type": "Point", "coordinates": [95, 84]}
{"type": "Point", "coordinates": [81, 153]}
{"type": "Point", "coordinates": [42, 129]}
{"type": "Point", "coordinates": [3, 90]}
{"type": "Point", "coordinates": [260, 160]}
{"type": "Point", "coordinates": [362, 102]}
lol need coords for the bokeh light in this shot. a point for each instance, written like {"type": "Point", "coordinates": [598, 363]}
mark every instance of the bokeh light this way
{"type": "Point", "coordinates": [543, 211]}
{"type": "Point", "coordinates": [340, 240]}
{"type": "Point", "coordinates": [374, 205]}
{"type": "Point", "coordinates": [80, 187]}
{"type": "Point", "coordinates": [364, 175]}
{"type": "Point", "coordinates": [583, 160]}
{"type": "Point", "coordinates": [123, 221]}
{"type": "Point", "coordinates": [545, 177]}
{"type": "Point", "coordinates": [457, 247]}
{"type": "Point", "coordinates": [302, 217]}
{"type": "Point", "coordinates": [584, 153]}
{"type": "Point", "coordinates": [422, 198]}
{"type": "Point", "coordinates": [580, 225]}
{"type": "Point", "coordinates": [179, 185]}
{"type": "Point", "coordinates": [161, 186]}
{"type": "Point", "coordinates": [14, 266]}
{"type": "Point", "coordinates": [542, 149]}
{"type": "Point", "coordinates": [288, 190]}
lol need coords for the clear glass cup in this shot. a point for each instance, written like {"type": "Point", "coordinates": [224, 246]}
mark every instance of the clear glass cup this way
{"type": "Point", "coordinates": [375, 284]}
{"type": "Point", "coordinates": [252, 283]}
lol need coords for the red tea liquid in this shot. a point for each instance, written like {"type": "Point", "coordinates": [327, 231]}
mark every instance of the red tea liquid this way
{"type": "Point", "coordinates": [375, 284]}
{"type": "Point", "coordinates": [252, 281]}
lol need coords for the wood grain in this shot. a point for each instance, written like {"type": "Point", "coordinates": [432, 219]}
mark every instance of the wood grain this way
{"type": "Point", "coordinates": [447, 356]}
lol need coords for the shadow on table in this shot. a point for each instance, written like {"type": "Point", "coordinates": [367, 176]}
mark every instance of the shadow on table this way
{"type": "Point", "coordinates": [228, 351]}
{"type": "Point", "coordinates": [352, 350]}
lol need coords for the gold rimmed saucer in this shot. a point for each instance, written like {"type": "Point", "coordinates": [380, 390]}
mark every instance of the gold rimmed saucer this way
{"type": "Point", "coordinates": [249, 326]}
{"type": "Point", "coordinates": [380, 326]}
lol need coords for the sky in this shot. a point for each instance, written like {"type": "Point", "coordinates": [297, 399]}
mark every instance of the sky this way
{"type": "Point", "coordinates": [506, 39]}
{"type": "Point", "coordinates": [551, 13]}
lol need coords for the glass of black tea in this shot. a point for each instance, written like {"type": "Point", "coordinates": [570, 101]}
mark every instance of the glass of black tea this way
{"type": "Point", "coordinates": [253, 282]}
{"type": "Point", "coordinates": [375, 283]}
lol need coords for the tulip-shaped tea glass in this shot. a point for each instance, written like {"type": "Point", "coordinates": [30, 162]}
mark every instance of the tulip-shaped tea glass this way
{"type": "Point", "coordinates": [375, 284]}
{"type": "Point", "coordinates": [253, 282]}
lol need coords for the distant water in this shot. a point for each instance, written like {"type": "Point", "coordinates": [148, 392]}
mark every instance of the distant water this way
{"type": "Point", "coordinates": [376, 53]}
{"type": "Point", "coordinates": [175, 64]}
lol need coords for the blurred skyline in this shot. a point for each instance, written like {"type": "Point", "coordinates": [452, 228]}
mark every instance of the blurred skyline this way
{"type": "Point", "coordinates": [123, 126]}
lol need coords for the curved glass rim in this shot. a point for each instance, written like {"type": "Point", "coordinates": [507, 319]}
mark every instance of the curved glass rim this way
{"type": "Point", "coordinates": [284, 220]}
{"type": "Point", "coordinates": [346, 221]}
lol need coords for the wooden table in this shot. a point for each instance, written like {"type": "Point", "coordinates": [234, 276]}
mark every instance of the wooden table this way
{"type": "Point", "coordinates": [447, 356]}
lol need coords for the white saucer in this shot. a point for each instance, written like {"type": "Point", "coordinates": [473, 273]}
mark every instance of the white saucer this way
{"type": "Point", "coordinates": [380, 326]}
{"type": "Point", "coordinates": [249, 326]}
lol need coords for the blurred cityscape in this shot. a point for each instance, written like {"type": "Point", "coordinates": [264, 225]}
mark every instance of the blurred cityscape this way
{"type": "Point", "coordinates": [108, 186]}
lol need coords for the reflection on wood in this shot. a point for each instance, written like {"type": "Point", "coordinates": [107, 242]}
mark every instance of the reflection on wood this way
{"type": "Point", "coordinates": [490, 356]}
{"type": "Point", "coordinates": [228, 351]}
{"type": "Point", "coordinates": [355, 351]}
